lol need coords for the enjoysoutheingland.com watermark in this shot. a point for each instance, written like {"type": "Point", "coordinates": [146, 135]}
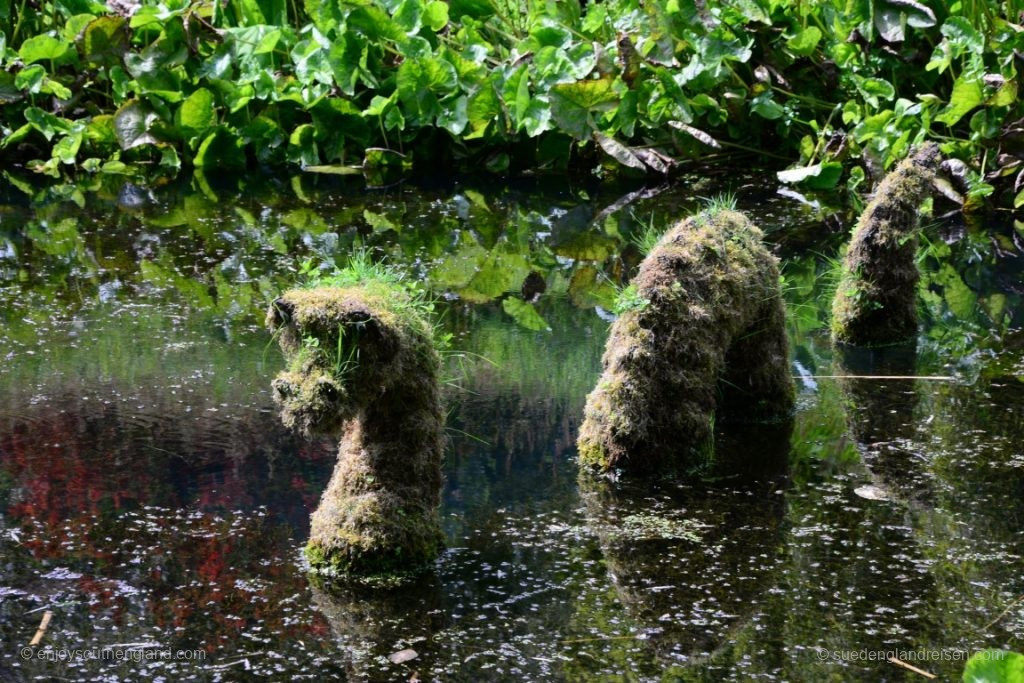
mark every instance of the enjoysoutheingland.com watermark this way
{"type": "Point", "coordinates": [121, 652]}
{"type": "Point", "coordinates": [824, 654]}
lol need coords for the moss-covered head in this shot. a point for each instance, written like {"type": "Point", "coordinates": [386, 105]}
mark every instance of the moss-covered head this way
{"type": "Point", "coordinates": [341, 345]}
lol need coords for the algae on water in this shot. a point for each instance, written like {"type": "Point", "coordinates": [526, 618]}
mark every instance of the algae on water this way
{"type": "Point", "coordinates": [876, 301]}
{"type": "Point", "coordinates": [362, 365]}
{"type": "Point", "coordinates": [708, 342]}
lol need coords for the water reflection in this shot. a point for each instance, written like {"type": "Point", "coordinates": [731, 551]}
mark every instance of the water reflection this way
{"type": "Point", "coordinates": [692, 561]}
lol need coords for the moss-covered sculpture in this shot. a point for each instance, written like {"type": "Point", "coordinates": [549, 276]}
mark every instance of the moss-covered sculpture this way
{"type": "Point", "coordinates": [700, 337]}
{"type": "Point", "coordinates": [876, 301]}
{"type": "Point", "coordinates": [362, 365]}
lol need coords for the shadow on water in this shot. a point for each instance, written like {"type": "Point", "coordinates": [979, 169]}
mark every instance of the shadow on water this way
{"type": "Point", "coordinates": [149, 497]}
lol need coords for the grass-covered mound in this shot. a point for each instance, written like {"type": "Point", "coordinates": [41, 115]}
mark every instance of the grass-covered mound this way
{"type": "Point", "coordinates": [362, 364]}
{"type": "Point", "coordinates": [876, 301]}
{"type": "Point", "coordinates": [702, 337]}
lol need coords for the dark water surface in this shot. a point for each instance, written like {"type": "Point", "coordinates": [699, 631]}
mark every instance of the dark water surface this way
{"type": "Point", "coordinates": [150, 499]}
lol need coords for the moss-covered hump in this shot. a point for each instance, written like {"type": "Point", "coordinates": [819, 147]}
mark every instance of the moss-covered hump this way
{"type": "Point", "coordinates": [876, 301]}
{"type": "Point", "coordinates": [710, 340]}
{"type": "Point", "coordinates": [362, 365]}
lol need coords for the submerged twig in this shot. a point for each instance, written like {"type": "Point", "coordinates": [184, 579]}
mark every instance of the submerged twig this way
{"type": "Point", "coordinates": [41, 631]}
{"type": "Point", "coordinates": [910, 667]}
{"type": "Point", "coordinates": [1003, 613]}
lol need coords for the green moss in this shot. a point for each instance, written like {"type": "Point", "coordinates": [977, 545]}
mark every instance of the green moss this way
{"type": "Point", "coordinates": [876, 301]}
{"type": "Point", "coordinates": [710, 341]}
{"type": "Point", "coordinates": [370, 377]}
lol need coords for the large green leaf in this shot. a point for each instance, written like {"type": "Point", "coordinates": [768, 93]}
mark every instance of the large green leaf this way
{"type": "Point", "coordinates": [221, 149]}
{"type": "Point", "coordinates": [196, 114]}
{"type": "Point", "coordinates": [995, 666]}
{"type": "Point", "coordinates": [967, 94]}
{"type": "Point", "coordinates": [804, 42]}
{"type": "Point", "coordinates": [573, 103]}
{"type": "Point", "coordinates": [133, 124]}
{"type": "Point", "coordinates": [43, 48]}
{"type": "Point", "coordinates": [104, 41]}
{"type": "Point", "coordinates": [421, 82]}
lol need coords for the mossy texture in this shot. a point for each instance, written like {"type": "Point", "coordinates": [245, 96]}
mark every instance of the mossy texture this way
{"type": "Point", "coordinates": [876, 301]}
{"type": "Point", "coordinates": [709, 344]}
{"type": "Point", "coordinates": [362, 365]}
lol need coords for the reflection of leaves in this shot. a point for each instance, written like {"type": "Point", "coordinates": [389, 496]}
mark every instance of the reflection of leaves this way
{"type": "Point", "coordinates": [379, 222]}
{"type": "Point", "coordinates": [588, 289]}
{"type": "Point", "coordinates": [524, 314]}
{"type": "Point", "coordinates": [499, 273]}
{"type": "Point", "coordinates": [191, 290]}
{"type": "Point", "coordinates": [455, 271]}
{"type": "Point", "coordinates": [587, 246]}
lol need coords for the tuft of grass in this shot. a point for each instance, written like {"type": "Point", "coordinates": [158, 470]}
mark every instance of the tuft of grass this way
{"type": "Point", "coordinates": [406, 297]}
{"type": "Point", "coordinates": [629, 299]}
{"type": "Point", "coordinates": [724, 201]}
{"type": "Point", "coordinates": [647, 234]}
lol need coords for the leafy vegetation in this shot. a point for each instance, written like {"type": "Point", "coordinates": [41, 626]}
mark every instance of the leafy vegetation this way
{"type": "Point", "coordinates": [839, 90]}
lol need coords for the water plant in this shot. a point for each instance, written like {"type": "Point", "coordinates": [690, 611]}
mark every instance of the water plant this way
{"type": "Point", "coordinates": [709, 341]}
{"type": "Point", "coordinates": [839, 91]}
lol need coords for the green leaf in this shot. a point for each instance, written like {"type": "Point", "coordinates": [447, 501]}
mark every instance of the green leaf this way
{"type": "Point", "coordinates": [30, 78]}
{"type": "Point", "coordinates": [302, 148]}
{"type": "Point", "coordinates": [804, 42]}
{"type": "Point", "coordinates": [995, 666]}
{"type": "Point", "coordinates": [763, 105]}
{"type": "Point", "coordinates": [435, 15]}
{"type": "Point", "coordinates": [453, 116]}
{"type": "Point", "coordinates": [221, 149]}
{"type": "Point", "coordinates": [67, 147]}
{"type": "Point", "coordinates": [967, 94]}
{"type": "Point", "coordinates": [962, 35]}
{"type": "Point", "coordinates": [477, 9]}
{"type": "Point", "coordinates": [409, 15]}
{"type": "Point", "coordinates": [104, 41]}
{"type": "Point", "coordinates": [420, 82]}
{"type": "Point", "coordinates": [524, 314]}
{"type": "Point", "coordinates": [43, 48]}
{"type": "Point", "coordinates": [196, 114]}
{"type": "Point", "coordinates": [573, 103]}
{"type": "Point", "coordinates": [46, 123]}
{"type": "Point", "coordinates": [133, 124]}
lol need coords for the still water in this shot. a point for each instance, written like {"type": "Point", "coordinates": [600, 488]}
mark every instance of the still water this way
{"type": "Point", "coordinates": [150, 499]}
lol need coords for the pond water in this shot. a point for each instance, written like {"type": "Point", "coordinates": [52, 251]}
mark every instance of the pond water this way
{"type": "Point", "coordinates": [150, 498]}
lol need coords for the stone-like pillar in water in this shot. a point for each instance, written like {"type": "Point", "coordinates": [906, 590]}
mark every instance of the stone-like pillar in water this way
{"type": "Point", "coordinates": [706, 340]}
{"type": "Point", "coordinates": [876, 301]}
{"type": "Point", "coordinates": [362, 366]}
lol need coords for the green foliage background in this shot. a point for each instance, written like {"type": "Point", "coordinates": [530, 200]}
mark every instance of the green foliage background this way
{"type": "Point", "coordinates": [839, 90]}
